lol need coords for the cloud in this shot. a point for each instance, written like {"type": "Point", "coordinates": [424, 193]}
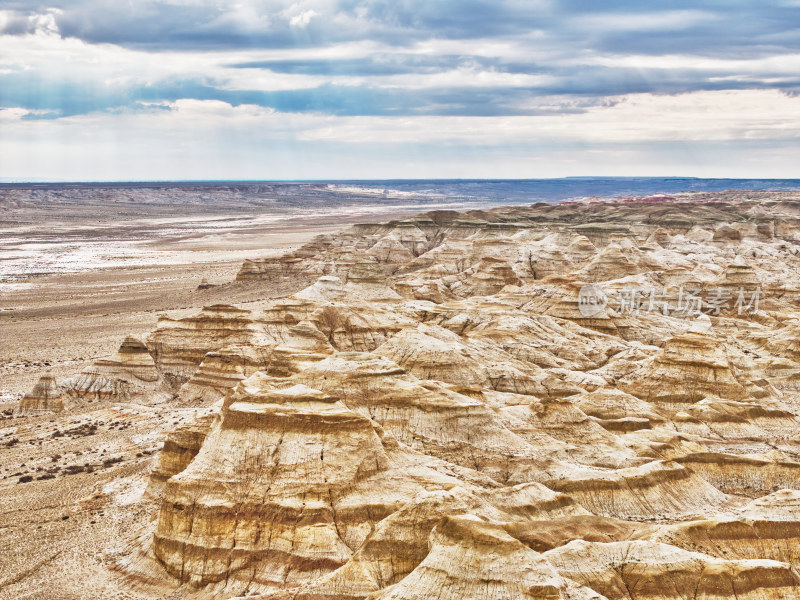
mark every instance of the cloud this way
{"type": "Point", "coordinates": [44, 71]}
{"type": "Point", "coordinates": [191, 139]}
{"type": "Point", "coordinates": [698, 116]}
{"type": "Point", "coordinates": [393, 73]}
{"type": "Point", "coordinates": [21, 23]}
{"type": "Point", "coordinates": [203, 24]}
{"type": "Point", "coordinates": [715, 116]}
{"type": "Point", "coordinates": [303, 19]}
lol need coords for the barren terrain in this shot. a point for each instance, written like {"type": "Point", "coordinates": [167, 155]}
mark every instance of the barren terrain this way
{"type": "Point", "coordinates": [588, 400]}
{"type": "Point", "coordinates": [82, 266]}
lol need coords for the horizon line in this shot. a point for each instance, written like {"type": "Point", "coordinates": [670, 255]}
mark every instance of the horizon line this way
{"type": "Point", "coordinates": [11, 181]}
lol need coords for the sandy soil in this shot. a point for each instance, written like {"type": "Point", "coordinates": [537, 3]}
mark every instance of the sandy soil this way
{"type": "Point", "coordinates": [72, 496]}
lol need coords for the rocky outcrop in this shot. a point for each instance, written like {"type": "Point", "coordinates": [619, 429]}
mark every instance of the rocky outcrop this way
{"type": "Point", "coordinates": [130, 374]}
{"type": "Point", "coordinates": [294, 502]}
{"type": "Point", "coordinates": [617, 411]}
{"type": "Point", "coordinates": [437, 411]}
{"type": "Point", "coordinates": [46, 397]}
{"type": "Point", "coordinates": [655, 491]}
{"type": "Point", "coordinates": [178, 346]}
{"type": "Point", "coordinates": [431, 352]}
{"type": "Point", "coordinates": [609, 264]}
{"type": "Point", "coordinates": [221, 370]}
{"type": "Point", "coordinates": [487, 277]}
{"type": "Point", "coordinates": [690, 367]}
{"type": "Point", "coordinates": [740, 538]}
{"type": "Point", "coordinates": [430, 418]}
{"type": "Point", "coordinates": [639, 569]}
{"type": "Point", "coordinates": [744, 475]}
{"type": "Point", "coordinates": [367, 280]}
{"type": "Point", "coordinates": [470, 560]}
{"type": "Point", "coordinates": [401, 542]}
{"type": "Point", "coordinates": [180, 448]}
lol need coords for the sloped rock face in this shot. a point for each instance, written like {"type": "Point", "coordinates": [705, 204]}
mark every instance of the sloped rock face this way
{"type": "Point", "coordinates": [220, 372]}
{"type": "Point", "coordinates": [179, 346]}
{"type": "Point", "coordinates": [487, 277]}
{"type": "Point", "coordinates": [654, 491]}
{"type": "Point", "coordinates": [180, 448]}
{"type": "Point", "coordinates": [690, 367]}
{"type": "Point", "coordinates": [293, 502]}
{"type": "Point", "coordinates": [129, 374]}
{"type": "Point", "coordinates": [651, 570]}
{"type": "Point", "coordinates": [46, 397]}
{"type": "Point", "coordinates": [437, 412]}
{"type": "Point", "coordinates": [427, 417]}
{"type": "Point", "coordinates": [735, 537]}
{"type": "Point", "coordinates": [472, 559]}
{"type": "Point", "coordinates": [401, 542]}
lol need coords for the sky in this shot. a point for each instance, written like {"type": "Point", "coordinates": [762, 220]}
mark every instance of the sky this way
{"type": "Point", "coordinates": [105, 90]}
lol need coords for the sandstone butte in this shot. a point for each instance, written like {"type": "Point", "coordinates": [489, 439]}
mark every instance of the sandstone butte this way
{"type": "Point", "coordinates": [433, 414]}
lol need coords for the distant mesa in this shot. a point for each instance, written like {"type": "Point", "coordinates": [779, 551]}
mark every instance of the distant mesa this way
{"type": "Point", "coordinates": [204, 285]}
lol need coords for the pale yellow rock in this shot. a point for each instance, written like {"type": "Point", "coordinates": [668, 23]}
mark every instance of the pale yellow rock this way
{"type": "Point", "coordinates": [430, 412]}
{"type": "Point", "coordinates": [728, 538]}
{"type": "Point", "coordinates": [130, 374]}
{"type": "Point", "coordinates": [291, 503]}
{"type": "Point", "coordinates": [221, 370]}
{"type": "Point", "coordinates": [639, 569]}
{"type": "Point", "coordinates": [471, 560]}
{"type": "Point", "coordinates": [690, 367]}
{"type": "Point", "coordinates": [657, 490]}
{"type": "Point", "coordinates": [179, 346]}
{"type": "Point", "coordinates": [400, 542]}
{"type": "Point", "coordinates": [46, 397]}
{"type": "Point", "coordinates": [783, 505]}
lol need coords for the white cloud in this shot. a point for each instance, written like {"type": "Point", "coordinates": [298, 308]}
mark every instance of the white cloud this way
{"type": "Point", "coordinates": [785, 63]}
{"type": "Point", "coordinates": [698, 116]}
{"type": "Point", "coordinates": [500, 73]}
{"type": "Point", "coordinates": [466, 77]}
{"type": "Point", "coordinates": [35, 23]}
{"type": "Point", "coordinates": [303, 19]}
{"type": "Point", "coordinates": [74, 60]}
{"type": "Point", "coordinates": [12, 114]}
{"type": "Point", "coordinates": [646, 21]}
{"type": "Point", "coordinates": [704, 134]}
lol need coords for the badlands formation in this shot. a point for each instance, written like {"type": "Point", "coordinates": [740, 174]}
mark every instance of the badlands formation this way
{"type": "Point", "coordinates": [582, 401]}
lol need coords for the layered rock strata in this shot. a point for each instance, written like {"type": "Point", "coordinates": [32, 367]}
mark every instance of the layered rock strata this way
{"type": "Point", "coordinates": [45, 397]}
{"type": "Point", "coordinates": [437, 411]}
{"type": "Point", "coordinates": [127, 375]}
